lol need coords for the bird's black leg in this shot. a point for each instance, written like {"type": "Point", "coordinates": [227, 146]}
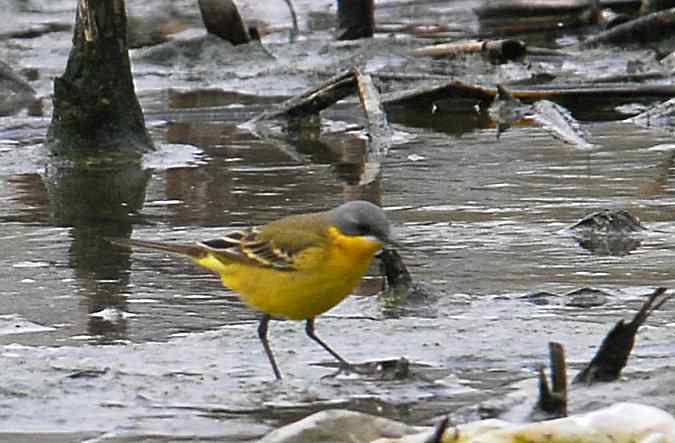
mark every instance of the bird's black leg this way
{"type": "Point", "coordinates": [309, 329]}
{"type": "Point", "coordinates": [262, 334]}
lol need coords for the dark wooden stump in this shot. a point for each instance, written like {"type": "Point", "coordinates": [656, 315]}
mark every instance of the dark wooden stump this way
{"type": "Point", "coordinates": [356, 19]}
{"type": "Point", "coordinates": [222, 18]}
{"type": "Point", "coordinates": [95, 107]}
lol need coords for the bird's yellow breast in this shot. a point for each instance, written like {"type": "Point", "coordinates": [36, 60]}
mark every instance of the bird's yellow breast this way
{"type": "Point", "coordinates": [322, 277]}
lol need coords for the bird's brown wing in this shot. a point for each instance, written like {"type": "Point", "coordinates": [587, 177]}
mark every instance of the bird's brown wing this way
{"type": "Point", "coordinates": [249, 246]}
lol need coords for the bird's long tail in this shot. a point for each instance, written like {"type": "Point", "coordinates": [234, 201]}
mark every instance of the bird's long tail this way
{"type": "Point", "coordinates": [194, 251]}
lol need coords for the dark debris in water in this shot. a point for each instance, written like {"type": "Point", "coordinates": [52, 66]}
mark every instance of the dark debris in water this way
{"type": "Point", "coordinates": [578, 298]}
{"type": "Point", "coordinates": [609, 222]}
{"type": "Point", "coordinates": [608, 232]}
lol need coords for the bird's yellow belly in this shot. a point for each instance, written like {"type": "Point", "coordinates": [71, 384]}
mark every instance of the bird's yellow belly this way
{"type": "Point", "coordinates": [321, 279]}
{"type": "Point", "coordinates": [292, 294]}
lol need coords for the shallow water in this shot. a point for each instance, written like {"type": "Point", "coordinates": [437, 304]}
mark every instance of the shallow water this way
{"type": "Point", "coordinates": [127, 345]}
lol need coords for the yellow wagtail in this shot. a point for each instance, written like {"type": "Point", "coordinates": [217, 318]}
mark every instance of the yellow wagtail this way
{"type": "Point", "coordinates": [296, 267]}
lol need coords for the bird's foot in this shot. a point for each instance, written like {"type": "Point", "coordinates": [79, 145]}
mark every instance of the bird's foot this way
{"type": "Point", "coordinates": [346, 369]}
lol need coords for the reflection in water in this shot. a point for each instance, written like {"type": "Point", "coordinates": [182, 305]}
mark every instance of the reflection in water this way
{"type": "Point", "coordinates": [610, 245]}
{"type": "Point", "coordinates": [30, 194]}
{"type": "Point", "coordinates": [98, 202]}
{"type": "Point", "coordinates": [663, 172]}
{"type": "Point", "coordinates": [361, 179]}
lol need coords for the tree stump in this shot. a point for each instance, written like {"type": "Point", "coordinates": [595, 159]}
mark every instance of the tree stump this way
{"type": "Point", "coordinates": [356, 19]}
{"type": "Point", "coordinates": [95, 107]}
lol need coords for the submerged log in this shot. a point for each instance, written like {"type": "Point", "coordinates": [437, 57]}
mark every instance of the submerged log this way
{"type": "Point", "coordinates": [615, 349]}
{"type": "Point", "coordinates": [455, 89]}
{"type": "Point", "coordinates": [95, 106]}
{"type": "Point", "coordinates": [515, 8]}
{"type": "Point", "coordinates": [655, 26]}
{"type": "Point", "coordinates": [356, 19]}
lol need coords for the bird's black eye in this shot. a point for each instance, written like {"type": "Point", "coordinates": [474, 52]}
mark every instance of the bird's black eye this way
{"type": "Point", "coordinates": [363, 229]}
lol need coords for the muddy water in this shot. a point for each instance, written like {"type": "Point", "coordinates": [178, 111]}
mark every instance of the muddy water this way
{"type": "Point", "coordinates": [97, 342]}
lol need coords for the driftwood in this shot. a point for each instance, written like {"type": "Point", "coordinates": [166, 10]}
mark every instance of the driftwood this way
{"type": "Point", "coordinates": [95, 106]}
{"type": "Point", "coordinates": [630, 78]}
{"type": "Point", "coordinates": [455, 89]}
{"type": "Point", "coordinates": [650, 27]}
{"type": "Point", "coordinates": [509, 17]}
{"type": "Point", "coordinates": [314, 100]}
{"type": "Point", "coordinates": [560, 122]}
{"type": "Point", "coordinates": [378, 128]}
{"type": "Point", "coordinates": [615, 349]}
{"type": "Point", "coordinates": [497, 51]}
{"type": "Point", "coordinates": [426, 95]}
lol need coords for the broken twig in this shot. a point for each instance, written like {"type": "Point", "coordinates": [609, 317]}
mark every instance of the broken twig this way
{"type": "Point", "coordinates": [615, 349]}
{"type": "Point", "coordinates": [497, 51]}
{"type": "Point", "coordinates": [553, 400]}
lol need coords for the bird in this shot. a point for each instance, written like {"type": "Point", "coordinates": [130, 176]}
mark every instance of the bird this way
{"type": "Point", "coordinates": [296, 267]}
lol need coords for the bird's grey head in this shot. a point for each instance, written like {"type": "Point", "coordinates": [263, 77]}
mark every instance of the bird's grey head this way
{"type": "Point", "coordinates": [360, 217]}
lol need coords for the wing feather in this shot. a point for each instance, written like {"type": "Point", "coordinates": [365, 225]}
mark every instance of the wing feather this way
{"type": "Point", "coordinates": [248, 246]}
